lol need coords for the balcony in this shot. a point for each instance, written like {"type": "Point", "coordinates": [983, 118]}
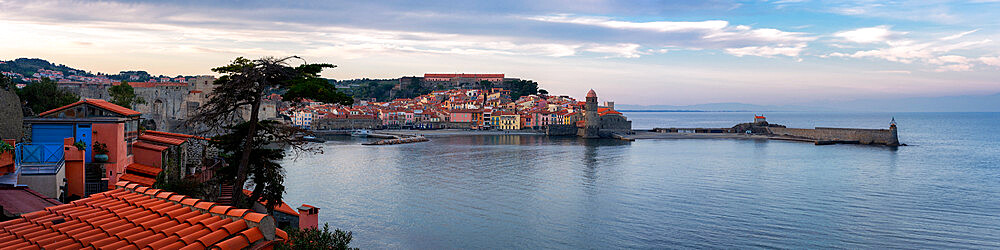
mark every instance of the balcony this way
{"type": "Point", "coordinates": [38, 158]}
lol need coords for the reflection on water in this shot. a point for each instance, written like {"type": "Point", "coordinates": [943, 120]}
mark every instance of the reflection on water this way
{"type": "Point", "coordinates": [526, 191]}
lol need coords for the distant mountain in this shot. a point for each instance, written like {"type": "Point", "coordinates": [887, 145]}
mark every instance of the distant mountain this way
{"type": "Point", "coordinates": [966, 103]}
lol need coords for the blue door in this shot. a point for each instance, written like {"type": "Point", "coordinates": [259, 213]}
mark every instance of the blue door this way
{"type": "Point", "coordinates": [83, 134]}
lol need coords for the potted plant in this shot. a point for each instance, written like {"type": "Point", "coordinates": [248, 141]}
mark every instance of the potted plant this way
{"type": "Point", "coordinates": [100, 152]}
{"type": "Point", "coordinates": [4, 148]}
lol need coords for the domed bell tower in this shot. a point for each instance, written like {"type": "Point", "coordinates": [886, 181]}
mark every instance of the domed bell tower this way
{"type": "Point", "coordinates": [592, 121]}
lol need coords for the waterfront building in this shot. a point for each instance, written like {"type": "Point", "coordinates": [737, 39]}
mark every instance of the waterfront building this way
{"type": "Point", "coordinates": [302, 118]}
{"type": "Point", "coordinates": [461, 116]}
{"type": "Point", "coordinates": [508, 121]}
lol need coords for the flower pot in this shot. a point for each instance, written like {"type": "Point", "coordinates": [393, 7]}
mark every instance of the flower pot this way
{"type": "Point", "coordinates": [101, 157]}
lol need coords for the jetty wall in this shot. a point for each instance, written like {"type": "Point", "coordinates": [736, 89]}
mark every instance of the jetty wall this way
{"type": "Point", "coordinates": [560, 129]}
{"type": "Point", "coordinates": [841, 135]}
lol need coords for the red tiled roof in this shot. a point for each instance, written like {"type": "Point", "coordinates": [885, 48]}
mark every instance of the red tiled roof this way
{"type": "Point", "coordinates": [161, 139]}
{"type": "Point", "coordinates": [175, 135]}
{"type": "Point", "coordinates": [149, 146]}
{"type": "Point", "coordinates": [145, 169]}
{"type": "Point", "coordinates": [137, 217]}
{"type": "Point", "coordinates": [605, 111]}
{"type": "Point", "coordinates": [99, 103]}
{"type": "Point", "coordinates": [282, 207]}
{"type": "Point", "coordinates": [19, 200]}
{"type": "Point", "coordinates": [145, 181]}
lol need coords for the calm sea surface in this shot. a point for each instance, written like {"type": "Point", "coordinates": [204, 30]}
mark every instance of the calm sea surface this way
{"type": "Point", "coordinates": [510, 191]}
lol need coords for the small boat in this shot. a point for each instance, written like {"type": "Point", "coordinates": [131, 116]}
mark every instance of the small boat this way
{"type": "Point", "coordinates": [361, 133]}
{"type": "Point", "coordinates": [312, 139]}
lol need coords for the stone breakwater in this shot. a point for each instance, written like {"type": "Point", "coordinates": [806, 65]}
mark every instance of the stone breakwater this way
{"type": "Point", "coordinates": [393, 139]}
{"type": "Point", "coordinates": [823, 135]}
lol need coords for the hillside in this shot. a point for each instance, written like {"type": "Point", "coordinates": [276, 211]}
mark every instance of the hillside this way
{"type": "Point", "coordinates": [29, 66]}
{"type": "Point", "coordinates": [24, 69]}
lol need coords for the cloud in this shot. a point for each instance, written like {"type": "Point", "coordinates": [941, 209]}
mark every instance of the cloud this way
{"type": "Point", "coordinates": [954, 67]}
{"type": "Point", "coordinates": [626, 50]}
{"type": "Point", "coordinates": [875, 34]}
{"type": "Point", "coordinates": [992, 61]}
{"type": "Point", "coordinates": [959, 35]}
{"type": "Point", "coordinates": [739, 40]}
{"type": "Point", "coordinates": [905, 72]}
{"type": "Point", "coordinates": [766, 51]}
{"type": "Point", "coordinates": [658, 26]}
{"type": "Point", "coordinates": [894, 48]}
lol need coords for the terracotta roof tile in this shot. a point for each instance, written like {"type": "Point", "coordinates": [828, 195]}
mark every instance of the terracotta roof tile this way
{"type": "Point", "coordinates": [99, 103]}
{"type": "Point", "coordinates": [133, 217]}
{"type": "Point", "coordinates": [144, 169]}
{"type": "Point", "coordinates": [238, 242]}
{"type": "Point", "coordinates": [149, 146]}
{"type": "Point", "coordinates": [161, 139]}
{"type": "Point", "coordinates": [220, 209]}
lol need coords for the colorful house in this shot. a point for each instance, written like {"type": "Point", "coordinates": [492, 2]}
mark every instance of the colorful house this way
{"type": "Point", "coordinates": [52, 155]}
{"type": "Point", "coordinates": [85, 122]}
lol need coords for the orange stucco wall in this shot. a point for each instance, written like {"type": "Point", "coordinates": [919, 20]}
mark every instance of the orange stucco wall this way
{"type": "Point", "coordinates": [74, 169]}
{"type": "Point", "coordinates": [148, 157]}
{"type": "Point", "coordinates": [113, 134]}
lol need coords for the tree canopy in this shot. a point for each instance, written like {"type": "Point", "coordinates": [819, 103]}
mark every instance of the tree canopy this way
{"type": "Point", "coordinates": [242, 87]}
{"type": "Point", "coordinates": [519, 88]}
{"type": "Point", "coordinates": [124, 95]}
{"type": "Point", "coordinates": [45, 95]}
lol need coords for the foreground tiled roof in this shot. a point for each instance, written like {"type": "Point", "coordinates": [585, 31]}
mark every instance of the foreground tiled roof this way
{"type": "Point", "coordinates": [282, 207]}
{"type": "Point", "coordinates": [99, 103]}
{"type": "Point", "coordinates": [135, 217]}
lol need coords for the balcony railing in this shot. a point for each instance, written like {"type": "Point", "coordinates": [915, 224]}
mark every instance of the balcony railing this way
{"type": "Point", "coordinates": [38, 158]}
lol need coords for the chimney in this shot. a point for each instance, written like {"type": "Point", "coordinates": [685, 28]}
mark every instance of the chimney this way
{"type": "Point", "coordinates": [308, 217]}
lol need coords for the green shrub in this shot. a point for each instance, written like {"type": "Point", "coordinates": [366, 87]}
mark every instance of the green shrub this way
{"type": "Point", "coordinates": [317, 239]}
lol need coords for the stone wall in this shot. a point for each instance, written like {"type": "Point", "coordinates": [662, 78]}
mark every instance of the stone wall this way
{"type": "Point", "coordinates": [616, 124]}
{"type": "Point", "coordinates": [451, 125]}
{"type": "Point", "coordinates": [10, 114]}
{"type": "Point", "coordinates": [326, 124]}
{"type": "Point", "coordinates": [862, 136]}
{"type": "Point", "coordinates": [560, 129]}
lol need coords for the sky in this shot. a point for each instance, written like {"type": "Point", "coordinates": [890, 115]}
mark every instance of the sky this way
{"type": "Point", "coordinates": [774, 52]}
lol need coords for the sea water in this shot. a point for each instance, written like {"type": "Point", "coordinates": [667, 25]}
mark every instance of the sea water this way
{"type": "Point", "coordinates": [526, 191]}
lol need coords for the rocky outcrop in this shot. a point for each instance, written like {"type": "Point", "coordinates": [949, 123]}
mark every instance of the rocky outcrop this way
{"type": "Point", "coordinates": [10, 114]}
